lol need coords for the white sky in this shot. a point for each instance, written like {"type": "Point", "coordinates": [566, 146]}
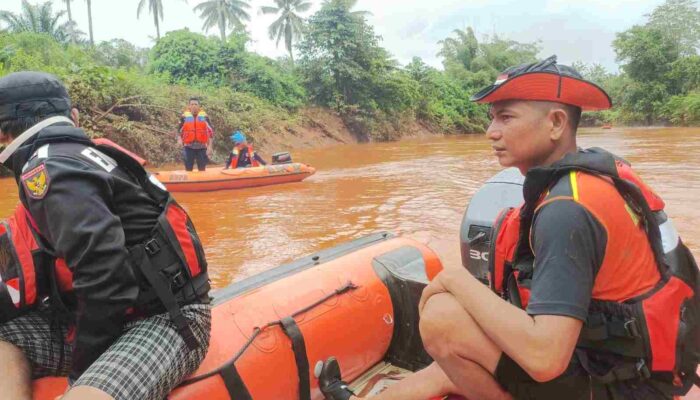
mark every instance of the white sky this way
{"type": "Point", "coordinates": [572, 29]}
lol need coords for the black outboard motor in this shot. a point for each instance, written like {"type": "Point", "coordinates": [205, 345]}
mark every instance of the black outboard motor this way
{"type": "Point", "coordinates": [281, 158]}
{"type": "Point", "coordinates": [503, 190]}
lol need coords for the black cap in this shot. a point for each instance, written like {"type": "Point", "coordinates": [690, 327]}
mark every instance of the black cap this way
{"type": "Point", "coordinates": [31, 94]}
{"type": "Point", "coordinates": [545, 81]}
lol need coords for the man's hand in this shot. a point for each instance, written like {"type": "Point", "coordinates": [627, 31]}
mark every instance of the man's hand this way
{"type": "Point", "coordinates": [179, 140]}
{"type": "Point", "coordinates": [210, 151]}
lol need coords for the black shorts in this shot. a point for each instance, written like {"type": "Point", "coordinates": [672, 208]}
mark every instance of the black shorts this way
{"type": "Point", "coordinates": [574, 384]}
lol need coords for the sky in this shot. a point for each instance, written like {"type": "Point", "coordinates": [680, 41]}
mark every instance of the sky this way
{"type": "Point", "coordinates": [574, 30]}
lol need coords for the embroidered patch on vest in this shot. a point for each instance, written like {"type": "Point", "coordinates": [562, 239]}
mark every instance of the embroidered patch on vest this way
{"type": "Point", "coordinates": [36, 182]}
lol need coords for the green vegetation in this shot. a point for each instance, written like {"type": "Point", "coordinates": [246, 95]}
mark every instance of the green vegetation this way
{"type": "Point", "coordinates": [135, 95]}
{"type": "Point", "coordinates": [659, 82]}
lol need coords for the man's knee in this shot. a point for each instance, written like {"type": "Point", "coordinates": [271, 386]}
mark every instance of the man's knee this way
{"type": "Point", "coordinates": [444, 325]}
{"type": "Point", "coordinates": [11, 353]}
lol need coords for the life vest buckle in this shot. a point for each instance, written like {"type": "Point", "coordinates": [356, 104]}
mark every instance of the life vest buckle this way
{"type": "Point", "coordinates": [631, 328]}
{"type": "Point", "coordinates": [152, 247]}
{"type": "Point", "coordinates": [642, 369]}
{"type": "Point", "coordinates": [178, 280]}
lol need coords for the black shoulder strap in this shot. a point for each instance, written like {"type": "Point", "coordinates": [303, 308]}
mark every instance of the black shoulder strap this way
{"type": "Point", "coordinates": [291, 328]}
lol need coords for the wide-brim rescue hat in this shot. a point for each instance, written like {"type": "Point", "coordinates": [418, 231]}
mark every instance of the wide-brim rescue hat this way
{"type": "Point", "coordinates": [545, 81]}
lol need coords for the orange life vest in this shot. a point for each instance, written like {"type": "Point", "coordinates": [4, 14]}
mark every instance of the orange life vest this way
{"type": "Point", "coordinates": [195, 129]}
{"type": "Point", "coordinates": [646, 300]}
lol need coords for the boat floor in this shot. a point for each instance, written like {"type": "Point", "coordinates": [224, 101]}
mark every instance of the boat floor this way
{"type": "Point", "coordinates": [378, 378]}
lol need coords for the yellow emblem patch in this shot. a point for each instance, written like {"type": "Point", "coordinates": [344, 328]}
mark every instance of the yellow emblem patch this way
{"type": "Point", "coordinates": [36, 182]}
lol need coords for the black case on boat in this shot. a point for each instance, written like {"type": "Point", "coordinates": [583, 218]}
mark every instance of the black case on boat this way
{"type": "Point", "coordinates": [403, 272]}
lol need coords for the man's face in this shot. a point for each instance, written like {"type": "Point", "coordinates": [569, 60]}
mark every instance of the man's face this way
{"type": "Point", "coordinates": [520, 133]}
{"type": "Point", "coordinates": [194, 107]}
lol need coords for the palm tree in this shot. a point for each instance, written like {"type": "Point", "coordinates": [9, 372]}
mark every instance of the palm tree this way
{"type": "Point", "coordinates": [289, 24]}
{"type": "Point", "coordinates": [92, 38]}
{"type": "Point", "coordinates": [40, 19]}
{"type": "Point", "coordinates": [70, 16]}
{"type": "Point", "coordinates": [156, 8]}
{"type": "Point", "coordinates": [462, 49]}
{"type": "Point", "coordinates": [223, 13]}
{"type": "Point", "coordinates": [73, 28]}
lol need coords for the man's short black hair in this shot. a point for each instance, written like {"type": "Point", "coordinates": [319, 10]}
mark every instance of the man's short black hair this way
{"type": "Point", "coordinates": [194, 99]}
{"type": "Point", "coordinates": [574, 114]}
{"type": "Point", "coordinates": [15, 126]}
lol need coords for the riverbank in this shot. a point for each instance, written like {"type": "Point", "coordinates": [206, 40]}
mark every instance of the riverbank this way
{"type": "Point", "coordinates": [313, 127]}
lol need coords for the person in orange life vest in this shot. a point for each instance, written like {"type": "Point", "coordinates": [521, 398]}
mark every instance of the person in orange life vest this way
{"type": "Point", "coordinates": [242, 155]}
{"type": "Point", "coordinates": [586, 246]}
{"type": "Point", "coordinates": [196, 135]}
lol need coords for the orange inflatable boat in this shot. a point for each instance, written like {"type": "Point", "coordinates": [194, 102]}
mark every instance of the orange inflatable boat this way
{"type": "Point", "coordinates": [225, 179]}
{"type": "Point", "coordinates": [356, 301]}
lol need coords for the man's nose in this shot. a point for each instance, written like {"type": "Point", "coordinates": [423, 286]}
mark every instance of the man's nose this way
{"type": "Point", "coordinates": [493, 132]}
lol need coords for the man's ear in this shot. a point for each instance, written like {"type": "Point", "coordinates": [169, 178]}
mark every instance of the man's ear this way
{"type": "Point", "coordinates": [75, 116]}
{"type": "Point", "coordinates": [559, 121]}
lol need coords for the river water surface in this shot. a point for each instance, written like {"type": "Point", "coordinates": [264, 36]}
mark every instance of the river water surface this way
{"type": "Point", "coordinates": [416, 187]}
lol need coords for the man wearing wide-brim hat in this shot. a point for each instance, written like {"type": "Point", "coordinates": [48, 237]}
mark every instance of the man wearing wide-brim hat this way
{"type": "Point", "coordinates": [574, 243]}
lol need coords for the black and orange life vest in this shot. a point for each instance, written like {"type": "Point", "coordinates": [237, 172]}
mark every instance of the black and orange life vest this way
{"type": "Point", "coordinates": [195, 129]}
{"type": "Point", "coordinates": [250, 152]}
{"type": "Point", "coordinates": [171, 262]}
{"type": "Point", "coordinates": [645, 302]}
{"type": "Point", "coordinates": [24, 282]}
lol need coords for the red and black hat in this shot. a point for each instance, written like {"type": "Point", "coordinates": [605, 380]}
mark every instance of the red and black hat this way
{"type": "Point", "coordinates": [545, 81]}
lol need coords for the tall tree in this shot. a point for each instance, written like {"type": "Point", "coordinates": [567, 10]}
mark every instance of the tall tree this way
{"type": "Point", "coordinates": [40, 19]}
{"type": "Point", "coordinates": [680, 20]}
{"type": "Point", "coordinates": [73, 30]}
{"type": "Point", "coordinates": [70, 15]}
{"type": "Point", "coordinates": [156, 8]}
{"type": "Point", "coordinates": [289, 24]}
{"type": "Point", "coordinates": [341, 57]}
{"type": "Point", "coordinates": [461, 49]}
{"type": "Point", "coordinates": [223, 13]}
{"type": "Point", "coordinates": [92, 38]}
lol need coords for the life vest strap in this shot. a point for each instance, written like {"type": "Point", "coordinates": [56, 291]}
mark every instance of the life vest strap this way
{"type": "Point", "coordinates": [162, 289]}
{"type": "Point", "coordinates": [632, 370]}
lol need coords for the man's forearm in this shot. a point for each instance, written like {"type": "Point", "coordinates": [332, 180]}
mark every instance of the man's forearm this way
{"type": "Point", "coordinates": [531, 344]}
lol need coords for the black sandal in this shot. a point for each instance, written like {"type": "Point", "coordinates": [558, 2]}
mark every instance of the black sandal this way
{"type": "Point", "coordinates": [331, 383]}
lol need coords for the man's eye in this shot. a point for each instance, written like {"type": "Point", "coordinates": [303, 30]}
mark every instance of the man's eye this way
{"type": "Point", "coordinates": [506, 117]}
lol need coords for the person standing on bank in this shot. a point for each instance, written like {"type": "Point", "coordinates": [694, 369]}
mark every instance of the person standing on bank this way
{"type": "Point", "coordinates": [142, 318]}
{"type": "Point", "coordinates": [586, 302]}
{"type": "Point", "coordinates": [196, 134]}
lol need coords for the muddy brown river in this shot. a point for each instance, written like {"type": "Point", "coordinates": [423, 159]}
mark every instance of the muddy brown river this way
{"type": "Point", "coordinates": [417, 187]}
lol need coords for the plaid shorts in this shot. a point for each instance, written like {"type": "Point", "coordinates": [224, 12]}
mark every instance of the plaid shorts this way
{"type": "Point", "coordinates": [146, 362]}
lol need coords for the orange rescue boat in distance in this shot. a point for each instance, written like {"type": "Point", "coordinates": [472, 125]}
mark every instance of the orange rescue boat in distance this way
{"type": "Point", "coordinates": [239, 178]}
{"type": "Point", "coordinates": [357, 301]}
